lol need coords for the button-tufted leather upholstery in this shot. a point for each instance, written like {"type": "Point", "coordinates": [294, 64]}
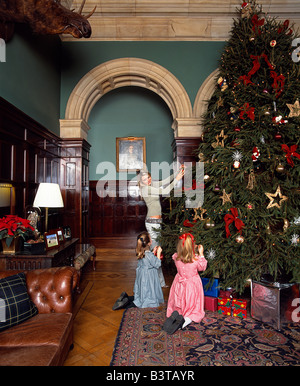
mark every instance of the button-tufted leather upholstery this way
{"type": "Point", "coordinates": [46, 338]}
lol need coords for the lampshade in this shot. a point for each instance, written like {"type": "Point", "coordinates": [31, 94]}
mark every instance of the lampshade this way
{"type": "Point", "coordinates": [48, 195]}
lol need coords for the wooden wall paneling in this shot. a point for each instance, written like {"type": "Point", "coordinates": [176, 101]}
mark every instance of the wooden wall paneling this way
{"type": "Point", "coordinates": [29, 154]}
{"type": "Point", "coordinates": [115, 212]}
{"type": "Point", "coordinates": [75, 185]}
{"type": "Point", "coordinates": [185, 149]}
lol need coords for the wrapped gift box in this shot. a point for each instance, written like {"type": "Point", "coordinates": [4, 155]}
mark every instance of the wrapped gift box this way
{"type": "Point", "coordinates": [233, 307]}
{"type": "Point", "coordinates": [240, 313]}
{"type": "Point", "coordinates": [224, 302]}
{"type": "Point", "coordinates": [210, 288]}
{"type": "Point", "coordinates": [224, 310]}
{"type": "Point", "coordinates": [210, 303]}
{"type": "Point", "coordinates": [239, 303]}
{"type": "Point", "coordinates": [227, 293]}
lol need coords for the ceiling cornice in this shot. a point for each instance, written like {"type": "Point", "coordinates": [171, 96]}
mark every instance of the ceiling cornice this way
{"type": "Point", "coordinates": [171, 20]}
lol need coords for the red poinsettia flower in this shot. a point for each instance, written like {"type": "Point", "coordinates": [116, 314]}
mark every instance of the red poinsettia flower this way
{"type": "Point", "coordinates": [11, 225]}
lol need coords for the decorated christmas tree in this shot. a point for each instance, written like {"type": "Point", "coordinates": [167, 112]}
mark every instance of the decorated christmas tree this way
{"type": "Point", "coordinates": [249, 220]}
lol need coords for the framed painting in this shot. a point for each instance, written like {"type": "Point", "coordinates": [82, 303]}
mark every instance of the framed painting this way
{"type": "Point", "coordinates": [131, 153]}
{"type": "Point", "coordinates": [51, 240]}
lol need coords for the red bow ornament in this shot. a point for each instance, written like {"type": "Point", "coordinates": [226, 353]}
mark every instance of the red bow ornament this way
{"type": "Point", "coordinates": [233, 217]}
{"type": "Point", "coordinates": [290, 151]}
{"type": "Point", "coordinates": [249, 111]}
{"type": "Point", "coordinates": [256, 24]}
{"type": "Point", "coordinates": [278, 83]}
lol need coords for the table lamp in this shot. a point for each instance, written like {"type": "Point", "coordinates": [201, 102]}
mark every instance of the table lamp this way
{"type": "Point", "coordinates": [47, 196]}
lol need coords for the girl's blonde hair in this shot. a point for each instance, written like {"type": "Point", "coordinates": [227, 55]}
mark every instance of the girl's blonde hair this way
{"type": "Point", "coordinates": [185, 248]}
{"type": "Point", "coordinates": [143, 240]}
{"type": "Point", "coordinates": [141, 175]}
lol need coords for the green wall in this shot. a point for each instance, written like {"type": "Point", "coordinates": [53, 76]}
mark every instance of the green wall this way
{"type": "Point", "coordinates": [40, 73]}
{"type": "Point", "coordinates": [129, 111]}
{"type": "Point", "coordinates": [132, 111]}
{"type": "Point", "coordinates": [30, 77]}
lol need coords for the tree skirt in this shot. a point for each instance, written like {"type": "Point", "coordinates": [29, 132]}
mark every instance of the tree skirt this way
{"type": "Point", "coordinates": [216, 341]}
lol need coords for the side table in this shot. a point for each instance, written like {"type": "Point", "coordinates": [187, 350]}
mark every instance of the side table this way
{"type": "Point", "coordinates": [56, 257]}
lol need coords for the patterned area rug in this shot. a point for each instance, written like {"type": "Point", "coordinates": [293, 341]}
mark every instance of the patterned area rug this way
{"type": "Point", "coordinates": [216, 341]}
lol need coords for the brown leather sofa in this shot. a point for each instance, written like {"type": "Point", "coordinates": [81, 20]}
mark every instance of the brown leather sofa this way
{"type": "Point", "coordinates": [44, 339]}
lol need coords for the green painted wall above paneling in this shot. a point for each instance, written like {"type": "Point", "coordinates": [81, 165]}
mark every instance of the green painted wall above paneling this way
{"type": "Point", "coordinates": [129, 111]}
{"type": "Point", "coordinates": [190, 62]}
{"type": "Point", "coordinates": [30, 77]}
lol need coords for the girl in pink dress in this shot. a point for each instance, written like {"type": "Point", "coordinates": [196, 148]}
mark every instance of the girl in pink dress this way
{"type": "Point", "coordinates": [186, 296]}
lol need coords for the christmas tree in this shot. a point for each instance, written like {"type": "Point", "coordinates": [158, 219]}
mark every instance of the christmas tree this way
{"type": "Point", "coordinates": [249, 220]}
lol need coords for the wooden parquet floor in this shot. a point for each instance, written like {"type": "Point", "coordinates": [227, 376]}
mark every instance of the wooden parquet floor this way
{"type": "Point", "coordinates": [95, 323]}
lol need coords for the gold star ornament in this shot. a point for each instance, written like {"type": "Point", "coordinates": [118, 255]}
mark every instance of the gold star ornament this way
{"type": "Point", "coordinates": [272, 196]}
{"type": "Point", "coordinates": [226, 197]}
{"type": "Point", "coordinates": [220, 139]}
{"type": "Point", "coordinates": [294, 109]}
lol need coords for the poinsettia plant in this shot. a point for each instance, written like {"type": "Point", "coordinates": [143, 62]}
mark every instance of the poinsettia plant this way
{"type": "Point", "coordinates": [12, 226]}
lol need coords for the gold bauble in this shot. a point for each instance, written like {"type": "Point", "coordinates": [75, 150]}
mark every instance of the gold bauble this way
{"type": "Point", "coordinates": [209, 224]}
{"type": "Point", "coordinates": [279, 168]}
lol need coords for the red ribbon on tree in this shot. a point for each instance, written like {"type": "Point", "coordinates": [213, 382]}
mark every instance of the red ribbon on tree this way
{"type": "Point", "coordinates": [278, 83]}
{"type": "Point", "coordinates": [290, 151]}
{"type": "Point", "coordinates": [249, 111]}
{"type": "Point", "coordinates": [230, 218]}
{"type": "Point", "coordinates": [278, 80]}
{"type": "Point", "coordinates": [188, 224]}
{"type": "Point", "coordinates": [284, 27]}
{"type": "Point", "coordinates": [257, 23]}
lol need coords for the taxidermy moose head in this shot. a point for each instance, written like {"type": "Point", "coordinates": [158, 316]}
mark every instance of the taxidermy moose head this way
{"type": "Point", "coordinates": [44, 17]}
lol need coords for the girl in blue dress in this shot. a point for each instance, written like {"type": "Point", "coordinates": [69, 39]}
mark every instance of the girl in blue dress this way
{"type": "Point", "coordinates": [147, 289]}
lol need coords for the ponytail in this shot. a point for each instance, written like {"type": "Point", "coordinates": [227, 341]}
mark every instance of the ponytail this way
{"type": "Point", "coordinates": [143, 240]}
{"type": "Point", "coordinates": [185, 248]}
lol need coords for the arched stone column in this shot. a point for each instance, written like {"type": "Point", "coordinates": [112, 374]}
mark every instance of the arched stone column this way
{"type": "Point", "coordinates": [127, 72]}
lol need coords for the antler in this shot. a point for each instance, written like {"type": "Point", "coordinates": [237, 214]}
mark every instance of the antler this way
{"type": "Point", "coordinates": [90, 14]}
{"type": "Point", "coordinates": [81, 8]}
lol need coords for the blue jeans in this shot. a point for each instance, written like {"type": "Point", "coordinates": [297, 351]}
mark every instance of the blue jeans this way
{"type": "Point", "coordinates": [153, 229]}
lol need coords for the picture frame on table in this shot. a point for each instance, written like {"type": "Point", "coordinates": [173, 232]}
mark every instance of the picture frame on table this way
{"type": "Point", "coordinates": [67, 232]}
{"type": "Point", "coordinates": [60, 234]}
{"type": "Point", "coordinates": [130, 153]}
{"type": "Point", "coordinates": [51, 240]}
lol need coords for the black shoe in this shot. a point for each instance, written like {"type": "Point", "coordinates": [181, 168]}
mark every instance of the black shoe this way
{"type": "Point", "coordinates": [173, 323]}
{"type": "Point", "coordinates": [120, 301]}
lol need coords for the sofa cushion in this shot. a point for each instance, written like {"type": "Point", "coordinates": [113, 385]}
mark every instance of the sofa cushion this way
{"type": "Point", "coordinates": [43, 329]}
{"type": "Point", "coordinates": [15, 304]}
{"type": "Point", "coordinates": [28, 356]}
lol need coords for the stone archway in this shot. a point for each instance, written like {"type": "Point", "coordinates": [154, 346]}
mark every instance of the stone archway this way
{"type": "Point", "coordinates": [204, 94]}
{"type": "Point", "coordinates": [128, 72]}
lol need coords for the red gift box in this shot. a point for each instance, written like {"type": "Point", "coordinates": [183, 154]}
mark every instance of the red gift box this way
{"type": "Point", "coordinates": [224, 302]}
{"type": "Point", "coordinates": [239, 303]}
{"type": "Point", "coordinates": [233, 307]}
{"type": "Point", "coordinates": [210, 303]}
{"type": "Point", "coordinates": [224, 310]}
{"type": "Point", "coordinates": [239, 313]}
{"type": "Point", "coordinates": [228, 293]}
